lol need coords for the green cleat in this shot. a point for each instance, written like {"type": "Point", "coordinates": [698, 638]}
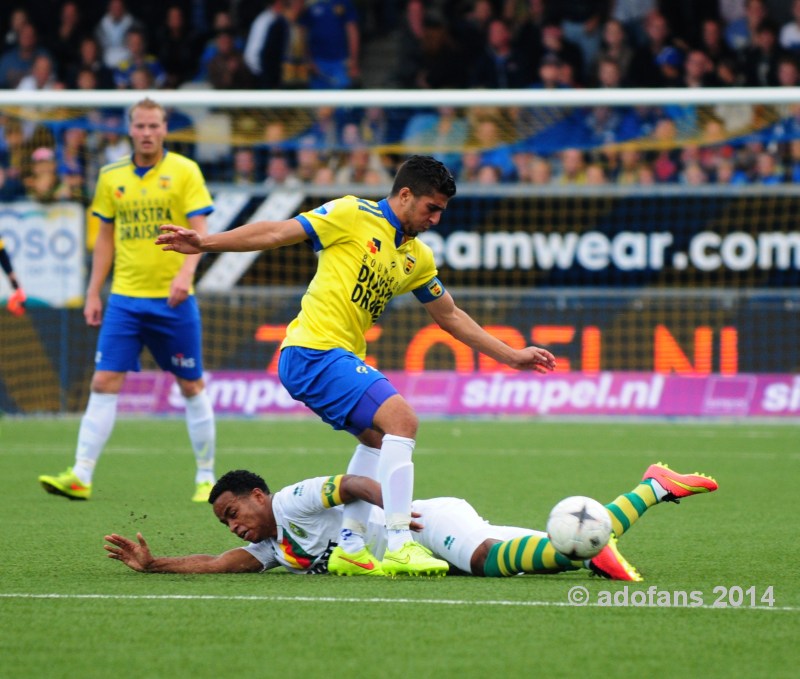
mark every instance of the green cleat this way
{"type": "Point", "coordinates": [679, 485]}
{"type": "Point", "coordinates": [360, 563]}
{"type": "Point", "coordinates": [66, 484]}
{"type": "Point", "coordinates": [202, 492]}
{"type": "Point", "coordinates": [413, 559]}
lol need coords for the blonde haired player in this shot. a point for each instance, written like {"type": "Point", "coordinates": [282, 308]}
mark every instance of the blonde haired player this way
{"type": "Point", "coordinates": [151, 303]}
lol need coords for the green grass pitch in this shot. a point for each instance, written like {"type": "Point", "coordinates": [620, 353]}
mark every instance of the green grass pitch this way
{"type": "Point", "coordinates": [68, 611]}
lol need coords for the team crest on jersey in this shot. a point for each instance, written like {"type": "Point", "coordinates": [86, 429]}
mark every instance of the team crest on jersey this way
{"type": "Point", "coordinates": [410, 263]}
{"type": "Point", "coordinates": [164, 183]}
{"type": "Point", "coordinates": [374, 245]}
{"type": "Point", "coordinates": [119, 192]}
{"type": "Point", "coordinates": [299, 532]}
{"type": "Point", "coordinates": [435, 288]}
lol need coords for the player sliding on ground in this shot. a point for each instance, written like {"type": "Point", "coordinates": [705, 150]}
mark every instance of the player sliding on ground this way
{"type": "Point", "coordinates": [369, 253]}
{"type": "Point", "coordinates": [298, 528]}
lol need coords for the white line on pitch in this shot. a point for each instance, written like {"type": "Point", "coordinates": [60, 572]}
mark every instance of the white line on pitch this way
{"type": "Point", "coordinates": [357, 600]}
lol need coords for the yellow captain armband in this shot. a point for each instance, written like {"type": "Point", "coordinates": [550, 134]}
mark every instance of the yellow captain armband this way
{"type": "Point", "coordinates": [331, 495]}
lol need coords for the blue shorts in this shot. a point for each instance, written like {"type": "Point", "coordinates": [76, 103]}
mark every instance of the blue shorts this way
{"type": "Point", "coordinates": [172, 334]}
{"type": "Point", "coordinates": [336, 384]}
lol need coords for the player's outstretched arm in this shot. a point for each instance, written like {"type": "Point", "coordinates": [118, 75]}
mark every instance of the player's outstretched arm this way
{"type": "Point", "coordinates": [461, 326]}
{"type": "Point", "coordinates": [137, 556]}
{"type": "Point", "coordinates": [246, 238]}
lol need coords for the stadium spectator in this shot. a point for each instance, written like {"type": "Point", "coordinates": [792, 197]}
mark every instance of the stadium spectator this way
{"type": "Point", "coordinates": [698, 71]}
{"type": "Point", "coordinates": [41, 76]}
{"type": "Point", "coordinates": [267, 45]}
{"type": "Point", "coordinates": [308, 160]}
{"type": "Point", "coordinates": [632, 14]}
{"type": "Point", "coordinates": [435, 62]}
{"type": "Point", "coordinates": [498, 66]}
{"type": "Point", "coordinates": [760, 59]}
{"type": "Point", "coordinates": [441, 133]}
{"type": "Point", "coordinates": [114, 143]}
{"type": "Point", "coordinates": [528, 32]}
{"type": "Point", "coordinates": [245, 169]}
{"type": "Point", "coordinates": [730, 10]}
{"type": "Point", "coordinates": [449, 528]}
{"type": "Point", "coordinates": [279, 173]}
{"type": "Point", "coordinates": [740, 33]}
{"type": "Point", "coordinates": [151, 300]}
{"type": "Point", "coordinates": [615, 48]}
{"type": "Point", "coordinates": [645, 72]}
{"type": "Point", "coordinates": [362, 166]}
{"type": "Point", "coordinates": [630, 163]}
{"type": "Point", "coordinates": [226, 70]}
{"type": "Point", "coordinates": [42, 183]}
{"type": "Point", "coordinates": [11, 187]}
{"type": "Point", "coordinates": [176, 47]}
{"type": "Point", "coordinates": [712, 42]}
{"type": "Point", "coordinates": [609, 73]}
{"type": "Point", "coordinates": [367, 405]}
{"type": "Point", "coordinates": [295, 65]}
{"type": "Point", "coordinates": [790, 31]}
{"type": "Point", "coordinates": [767, 169]}
{"type": "Point", "coordinates": [89, 58]}
{"type": "Point", "coordinates": [555, 44]}
{"type": "Point", "coordinates": [540, 171]}
{"type": "Point", "coordinates": [471, 32]}
{"type": "Point", "coordinates": [493, 149]}
{"type": "Point", "coordinates": [66, 42]}
{"type": "Point", "coordinates": [409, 43]}
{"type": "Point", "coordinates": [18, 17]}
{"type": "Point", "coordinates": [724, 170]}
{"type": "Point", "coordinates": [595, 175]}
{"type": "Point", "coordinates": [693, 174]}
{"type": "Point", "coordinates": [17, 62]}
{"type": "Point", "coordinates": [111, 32]}
{"type": "Point", "coordinates": [582, 22]}
{"type": "Point", "coordinates": [670, 62]}
{"type": "Point", "coordinates": [138, 59]}
{"type": "Point", "coordinates": [223, 21]}
{"type": "Point", "coordinates": [333, 41]}
{"type": "Point", "coordinates": [666, 161]}
{"type": "Point", "coordinates": [571, 167]}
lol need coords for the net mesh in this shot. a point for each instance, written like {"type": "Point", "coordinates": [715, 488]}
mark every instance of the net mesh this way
{"type": "Point", "coordinates": [679, 275]}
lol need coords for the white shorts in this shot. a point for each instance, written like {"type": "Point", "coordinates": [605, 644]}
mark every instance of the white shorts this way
{"type": "Point", "coordinates": [453, 530]}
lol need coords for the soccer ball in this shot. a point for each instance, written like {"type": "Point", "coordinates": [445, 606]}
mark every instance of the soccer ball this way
{"type": "Point", "coordinates": [579, 527]}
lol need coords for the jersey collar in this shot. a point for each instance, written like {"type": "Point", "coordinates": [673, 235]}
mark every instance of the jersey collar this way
{"type": "Point", "coordinates": [141, 171]}
{"type": "Point", "coordinates": [391, 217]}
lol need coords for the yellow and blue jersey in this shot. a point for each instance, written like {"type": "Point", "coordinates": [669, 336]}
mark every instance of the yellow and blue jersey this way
{"type": "Point", "coordinates": [363, 263]}
{"type": "Point", "coordinates": [138, 200]}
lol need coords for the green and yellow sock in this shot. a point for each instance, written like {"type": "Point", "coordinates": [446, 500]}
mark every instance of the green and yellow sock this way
{"type": "Point", "coordinates": [529, 554]}
{"type": "Point", "coordinates": [627, 508]}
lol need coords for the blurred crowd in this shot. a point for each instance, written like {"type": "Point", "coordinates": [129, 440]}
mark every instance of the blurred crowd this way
{"type": "Point", "coordinates": [409, 44]}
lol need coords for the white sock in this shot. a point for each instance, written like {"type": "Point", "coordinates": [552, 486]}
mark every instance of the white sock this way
{"type": "Point", "coordinates": [356, 514]}
{"type": "Point", "coordinates": [659, 491]}
{"type": "Point", "coordinates": [202, 434]}
{"type": "Point", "coordinates": [96, 426]}
{"type": "Point", "coordinates": [396, 476]}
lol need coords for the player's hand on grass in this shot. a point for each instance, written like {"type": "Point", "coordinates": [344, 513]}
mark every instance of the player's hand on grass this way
{"type": "Point", "coordinates": [133, 555]}
{"type": "Point", "coordinates": [534, 358]}
{"type": "Point", "coordinates": [178, 239]}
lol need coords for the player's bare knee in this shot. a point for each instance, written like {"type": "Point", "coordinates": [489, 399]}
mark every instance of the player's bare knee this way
{"type": "Point", "coordinates": [107, 382]}
{"type": "Point", "coordinates": [190, 388]}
